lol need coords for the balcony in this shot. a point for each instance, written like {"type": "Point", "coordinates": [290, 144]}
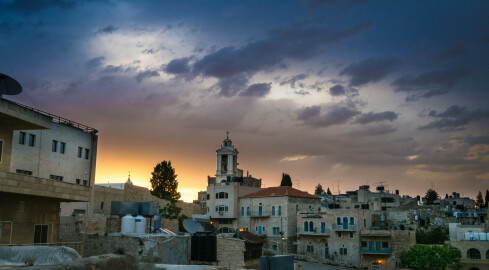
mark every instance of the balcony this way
{"type": "Point", "coordinates": [344, 228]}
{"type": "Point", "coordinates": [385, 251]}
{"type": "Point", "coordinates": [316, 232]}
{"type": "Point", "coordinates": [375, 233]}
{"type": "Point", "coordinates": [260, 214]}
{"type": "Point", "coordinates": [41, 187]}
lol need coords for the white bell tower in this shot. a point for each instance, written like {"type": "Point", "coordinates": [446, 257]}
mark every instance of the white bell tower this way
{"type": "Point", "coordinates": [227, 161]}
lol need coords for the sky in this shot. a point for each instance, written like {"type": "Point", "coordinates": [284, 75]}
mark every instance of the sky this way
{"type": "Point", "coordinates": [341, 93]}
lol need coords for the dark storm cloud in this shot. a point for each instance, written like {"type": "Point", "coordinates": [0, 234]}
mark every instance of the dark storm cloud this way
{"type": "Point", "coordinates": [28, 6]}
{"type": "Point", "coordinates": [230, 86]}
{"type": "Point", "coordinates": [96, 62]}
{"type": "Point", "coordinates": [427, 94]}
{"type": "Point", "coordinates": [451, 52]}
{"type": "Point", "coordinates": [257, 90]}
{"type": "Point", "coordinates": [455, 118]}
{"type": "Point", "coordinates": [370, 70]}
{"type": "Point", "coordinates": [376, 117]}
{"type": "Point", "coordinates": [146, 75]}
{"type": "Point", "coordinates": [336, 115]}
{"type": "Point", "coordinates": [294, 79]}
{"type": "Point", "coordinates": [178, 66]}
{"type": "Point", "coordinates": [337, 90]}
{"type": "Point", "coordinates": [298, 42]}
{"type": "Point", "coordinates": [430, 80]}
{"type": "Point", "coordinates": [109, 29]}
{"type": "Point", "coordinates": [301, 92]}
{"type": "Point", "coordinates": [471, 140]}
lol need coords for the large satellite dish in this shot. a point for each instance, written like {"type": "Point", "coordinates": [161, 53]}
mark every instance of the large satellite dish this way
{"type": "Point", "coordinates": [192, 226]}
{"type": "Point", "coordinates": [9, 86]}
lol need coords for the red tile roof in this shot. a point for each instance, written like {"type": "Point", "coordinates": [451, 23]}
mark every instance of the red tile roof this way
{"type": "Point", "coordinates": [280, 192]}
{"type": "Point", "coordinates": [250, 237]}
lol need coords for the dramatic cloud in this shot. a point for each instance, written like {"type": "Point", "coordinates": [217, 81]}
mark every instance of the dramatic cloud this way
{"type": "Point", "coordinates": [178, 66]}
{"type": "Point", "coordinates": [426, 94]}
{"type": "Point", "coordinates": [294, 79]}
{"type": "Point", "coordinates": [431, 80]}
{"type": "Point", "coordinates": [376, 117]}
{"type": "Point", "coordinates": [109, 29]}
{"type": "Point", "coordinates": [337, 90]}
{"type": "Point", "coordinates": [257, 90]}
{"type": "Point", "coordinates": [455, 118]}
{"type": "Point", "coordinates": [96, 62]}
{"type": "Point", "coordinates": [476, 140]}
{"type": "Point", "coordinates": [296, 42]}
{"type": "Point", "coordinates": [451, 52]}
{"type": "Point", "coordinates": [147, 74]}
{"type": "Point", "coordinates": [370, 70]}
{"type": "Point", "coordinates": [336, 115]}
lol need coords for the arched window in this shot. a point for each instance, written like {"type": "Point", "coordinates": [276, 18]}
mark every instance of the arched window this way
{"type": "Point", "coordinates": [217, 195]}
{"type": "Point", "coordinates": [248, 211]}
{"type": "Point", "coordinates": [487, 255]}
{"type": "Point", "coordinates": [352, 221]}
{"type": "Point", "coordinates": [242, 211]}
{"type": "Point", "coordinates": [306, 226]}
{"type": "Point", "coordinates": [311, 226]}
{"type": "Point", "coordinates": [473, 254]}
{"type": "Point", "coordinates": [310, 208]}
{"type": "Point", "coordinates": [279, 210]}
{"type": "Point", "coordinates": [273, 210]}
{"type": "Point", "coordinates": [296, 208]}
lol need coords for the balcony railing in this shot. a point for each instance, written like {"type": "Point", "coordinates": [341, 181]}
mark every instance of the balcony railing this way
{"type": "Point", "coordinates": [376, 251]}
{"type": "Point", "coordinates": [316, 232]}
{"type": "Point", "coordinates": [260, 214]}
{"type": "Point", "coordinates": [341, 227]}
{"type": "Point", "coordinates": [375, 233]}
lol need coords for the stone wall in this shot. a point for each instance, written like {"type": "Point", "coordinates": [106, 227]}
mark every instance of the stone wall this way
{"type": "Point", "coordinates": [102, 262]}
{"type": "Point", "coordinates": [230, 252]}
{"type": "Point", "coordinates": [170, 224]}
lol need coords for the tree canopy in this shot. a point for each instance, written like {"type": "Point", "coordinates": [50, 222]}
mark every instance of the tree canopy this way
{"type": "Point", "coordinates": [164, 183]}
{"type": "Point", "coordinates": [319, 190]}
{"type": "Point", "coordinates": [487, 198]}
{"type": "Point", "coordinates": [431, 196]}
{"type": "Point", "coordinates": [433, 257]}
{"type": "Point", "coordinates": [479, 201]}
{"type": "Point", "coordinates": [286, 180]}
{"type": "Point", "coordinates": [329, 192]}
{"type": "Point", "coordinates": [436, 235]}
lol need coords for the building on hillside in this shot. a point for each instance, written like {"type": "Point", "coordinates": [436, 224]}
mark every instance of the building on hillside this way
{"type": "Point", "coordinates": [272, 213]}
{"type": "Point", "coordinates": [44, 160]}
{"type": "Point", "coordinates": [473, 243]}
{"type": "Point", "coordinates": [201, 199]}
{"type": "Point", "coordinates": [224, 190]}
{"type": "Point", "coordinates": [349, 237]}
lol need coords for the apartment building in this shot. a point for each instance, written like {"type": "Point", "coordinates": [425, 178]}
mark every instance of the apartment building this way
{"type": "Point", "coordinates": [272, 213]}
{"type": "Point", "coordinates": [44, 160]}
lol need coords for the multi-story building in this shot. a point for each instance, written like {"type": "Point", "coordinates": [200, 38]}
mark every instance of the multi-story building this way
{"type": "Point", "coordinates": [224, 190]}
{"type": "Point", "coordinates": [348, 237]}
{"type": "Point", "coordinates": [44, 160]}
{"type": "Point", "coordinates": [473, 243]}
{"type": "Point", "coordinates": [272, 213]}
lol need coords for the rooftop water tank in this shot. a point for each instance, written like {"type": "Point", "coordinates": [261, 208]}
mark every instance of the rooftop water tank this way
{"type": "Point", "coordinates": [140, 224]}
{"type": "Point", "coordinates": [157, 222]}
{"type": "Point", "coordinates": [127, 224]}
{"type": "Point", "coordinates": [482, 236]}
{"type": "Point", "coordinates": [467, 236]}
{"type": "Point", "coordinates": [487, 236]}
{"type": "Point", "coordinates": [476, 236]}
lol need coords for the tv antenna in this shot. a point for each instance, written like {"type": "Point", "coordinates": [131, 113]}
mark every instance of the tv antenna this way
{"type": "Point", "coordinates": [9, 86]}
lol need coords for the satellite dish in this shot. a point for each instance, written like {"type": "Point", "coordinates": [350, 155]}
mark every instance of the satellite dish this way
{"type": "Point", "coordinates": [9, 86]}
{"type": "Point", "coordinates": [192, 226]}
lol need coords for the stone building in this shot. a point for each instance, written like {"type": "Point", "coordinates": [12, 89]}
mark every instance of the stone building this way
{"type": "Point", "coordinates": [473, 243]}
{"type": "Point", "coordinates": [44, 160]}
{"type": "Point", "coordinates": [348, 237]}
{"type": "Point", "coordinates": [272, 213]}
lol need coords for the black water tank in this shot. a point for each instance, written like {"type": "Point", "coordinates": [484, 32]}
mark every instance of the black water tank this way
{"type": "Point", "coordinates": [203, 247]}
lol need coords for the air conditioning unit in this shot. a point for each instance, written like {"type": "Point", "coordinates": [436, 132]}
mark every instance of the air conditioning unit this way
{"type": "Point", "coordinates": [221, 213]}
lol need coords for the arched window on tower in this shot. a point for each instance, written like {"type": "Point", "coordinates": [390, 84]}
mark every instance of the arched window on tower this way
{"type": "Point", "coordinates": [306, 226]}
{"type": "Point", "coordinates": [273, 210]}
{"type": "Point", "coordinates": [279, 210]}
{"type": "Point", "coordinates": [248, 211]}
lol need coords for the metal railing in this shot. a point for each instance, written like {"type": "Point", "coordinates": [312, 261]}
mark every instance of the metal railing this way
{"type": "Point", "coordinates": [340, 227]}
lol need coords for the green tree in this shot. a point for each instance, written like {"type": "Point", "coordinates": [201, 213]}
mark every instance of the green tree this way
{"type": "Point", "coordinates": [487, 198]}
{"type": "Point", "coordinates": [435, 236]}
{"type": "Point", "coordinates": [164, 183]}
{"type": "Point", "coordinates": [431, 196]}
{"type": "Point", "coordinates": [319, 190]}
{"type": "Point", "coordinates": [170, 211]}
{"type": "Point", "coordinates": [432, 257]}
{"type": "Point", "coordinates": [286, 180]}
{"type": "Point", "coordinates": [479, 201]}
{"type": "Point", "coordinates": [329, 192]}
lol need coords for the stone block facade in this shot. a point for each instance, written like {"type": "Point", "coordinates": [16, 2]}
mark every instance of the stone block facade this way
{"type": "Point", "coordinates": [230, 252]}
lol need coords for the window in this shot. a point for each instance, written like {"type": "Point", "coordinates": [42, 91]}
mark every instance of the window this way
{"type": "Point", "coordinates": [323, 227]}
{"type": "Point", "coordinates": [296, 208]}
{"type": "Point", "coordinates": [311, 226]}
{"type": "Point", "coordinates": [22, 137]}
{"type": "Point", "coordinates": [326, 251]}
{"type": "Point", "coordinates": [80, 151]}
{"type": "Point", "coordinates": [242, 211]}
{"type": "Point", "coordinates": [85, 182]}
{"type": "Point", "coordinates": [365, 223]}
{"type": "Point", "coordinates": [306, 226]}
{"type": "Point", "coordinates": [275, 246]}
{"type": "Point", "coordinates": [279, 212]}
{"type": "Point", "coordinates": [248, 211]}
{"type": "Point", "coordinates": [208, 196]}
{"type": "Point", "coordinates": [24, 172]}
{"type": "Point", "coordinates": [385, 244]}
{"type": "Point", "coordinates": [473, 254]}
{"type": "Point", "coordinates": [62, 148]}
{"type": "Point", "coordinates": [54, 148]}
{"type": "Point", "coordinates": [352, 221]}
{"type": "Point", "coordinates": [101, 205]}
{"type": "Point", "coordinates": [273, 210]}
{"type": "Point", "coordinates": [338, 220]}
{"type": "Point", "coordinates": [78, 181]}
{"type": "Point", "coordinates": [56, 177]}
{"type": "Point", "coordinates": [339, 234]}
{"type": "Point", "coordinates": [86, 153]}
{"type": "Point", "coordinates": [32, 140]}
{"type": "Point", "coordinates": [310, 248]}
{"type": "Point", "coordinates": [343, 251]}
{"type": "Point", "coordinates": [1, 150]}
{"type": "Point", "coordinates": [40, 233]}
{"type": "Point", "coordinates": [351, 235]}
{"type": "Point", "coordinates": [363, 244]}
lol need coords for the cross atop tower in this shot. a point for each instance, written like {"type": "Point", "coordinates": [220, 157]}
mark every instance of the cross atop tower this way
{"type": "Point", "coordinates": [227, 134]}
